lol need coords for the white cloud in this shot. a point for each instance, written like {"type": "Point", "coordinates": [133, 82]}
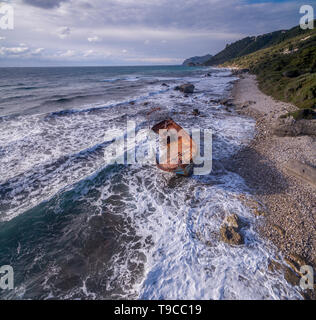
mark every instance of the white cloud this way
{"type": "Point", "coordinates": [94, 39]}
{"type": "Point", "coordinates": [154, 60]}
{"type": "Point", "coordinates": [68, 54]}
{"type": "Point", "coordinates": [88, 53]}
{"type": "Point", "coordinates": [13, 50]}
{"type": "Point", "coordinates": [38, 51]}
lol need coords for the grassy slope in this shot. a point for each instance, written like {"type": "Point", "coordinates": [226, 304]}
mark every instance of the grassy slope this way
{"type": "Point", "coordinates": [251, 44]}
{"type": "Point", "coordinates": [288, 76]}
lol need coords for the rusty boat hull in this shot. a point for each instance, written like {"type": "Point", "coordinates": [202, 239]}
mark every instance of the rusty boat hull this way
{"type": "Point", "coordinates": [180, 161]}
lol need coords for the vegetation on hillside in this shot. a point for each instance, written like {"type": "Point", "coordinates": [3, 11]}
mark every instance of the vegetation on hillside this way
{"type": "Point", "coordinates": [252, 44]}
{"type": "Point", "coordinates": [286, 69]}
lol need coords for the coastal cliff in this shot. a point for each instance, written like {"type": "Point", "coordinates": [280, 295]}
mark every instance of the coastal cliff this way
{"type": "Point", "coordinates": [196, 61]}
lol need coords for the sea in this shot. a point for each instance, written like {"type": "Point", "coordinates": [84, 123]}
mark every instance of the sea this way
{"type": "Point", "coordinates": [74, 225]}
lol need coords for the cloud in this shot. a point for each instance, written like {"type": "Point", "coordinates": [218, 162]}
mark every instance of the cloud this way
{"type": "Point", "coordinates": [94, 39]}
{"type": "Point", "coordinates": [45, 4]}
{"type": "Point", "coordinates": [68, 54]}
{"type": "Point", "coordinates": [37, 51]}
{"type": "Point", "coordinates": [140, 30]}
{"type": "Point", "coordinates": [2, 38]}
{"type": "Point", "coordinates": [88, 53]}
{"type": "Point", "coordinates": [153, 60]}
{"type": "Point", "coordinates": [63, 32]}
{"type": "Point", "coordinates": [13, 50]}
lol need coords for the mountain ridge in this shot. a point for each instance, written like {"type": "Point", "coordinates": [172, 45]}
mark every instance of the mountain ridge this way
{"type": "Point", "coordinates": [197, 60]}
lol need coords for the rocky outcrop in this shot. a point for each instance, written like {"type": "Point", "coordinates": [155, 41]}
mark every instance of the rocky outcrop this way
{"type": "Point", "coordinates": [185, 88]}
{"type": "Point", "coordinates": [230, 231]}
{"type": "Point", "coordinates": [290, 127]}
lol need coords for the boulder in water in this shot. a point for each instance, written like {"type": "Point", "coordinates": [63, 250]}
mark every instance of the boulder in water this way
{"type": "Point", "coordinates": [230, 230]}
{"type": "Point", "coordinates": [231, 236]}
{"type": "Point", "coordinates": [186, 88]}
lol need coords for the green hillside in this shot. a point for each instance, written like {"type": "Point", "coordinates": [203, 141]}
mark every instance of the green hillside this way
{"type": "Point", "coordinates": [251, 44]}
{"type": "Point", "coordinates": [287, 70]}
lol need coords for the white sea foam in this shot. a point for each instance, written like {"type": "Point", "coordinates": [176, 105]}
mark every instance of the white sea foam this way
{"type": "Point", "coordinates": [176, 220]}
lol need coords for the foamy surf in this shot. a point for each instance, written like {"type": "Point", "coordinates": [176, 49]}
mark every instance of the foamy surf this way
{"type": "Point", "coordinates": [89, 230]}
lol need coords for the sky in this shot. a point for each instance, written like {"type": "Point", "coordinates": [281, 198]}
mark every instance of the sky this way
{"type": "Point", "coordinates": [134, 32]}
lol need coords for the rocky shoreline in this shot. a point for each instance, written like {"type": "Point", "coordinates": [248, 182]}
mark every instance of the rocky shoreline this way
{"type": "Point", "coordinates": [282, 195]}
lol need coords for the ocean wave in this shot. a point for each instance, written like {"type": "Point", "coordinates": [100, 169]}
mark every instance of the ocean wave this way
{"type": "Point", "coordinates": [109, 105]}
{"type": "Point", "coordinates": [131, 79]}
{"type": "Point", "coordinates": [87, 229]}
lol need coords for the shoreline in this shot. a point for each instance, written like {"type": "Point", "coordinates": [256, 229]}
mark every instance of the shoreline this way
{"type": "Point", "coordinates": [286, 202]}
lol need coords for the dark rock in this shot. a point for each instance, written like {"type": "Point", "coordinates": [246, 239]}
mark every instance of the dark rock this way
{"type": "Point", "coordinates": [291, 73]}
{"type": "Point", "coordinates": [164, 85]}
{"type": "Point", "coordinates": [196, 112]}
{"type": "Point", "coordinates": [227, 102]}
{"type": "Point", "coordinates": [214, 101]}
{"type": "Point", "coordinates": [306, 114]}
{"type": "Point", "coordinates": [186, 88]}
